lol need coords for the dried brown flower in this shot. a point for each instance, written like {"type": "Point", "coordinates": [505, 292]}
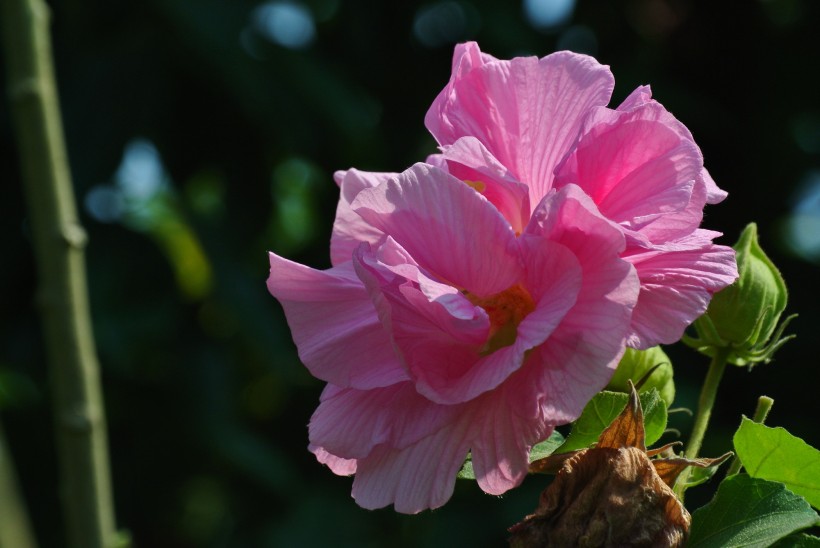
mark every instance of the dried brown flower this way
{"type": "Point", "coordinates": [613, 494]}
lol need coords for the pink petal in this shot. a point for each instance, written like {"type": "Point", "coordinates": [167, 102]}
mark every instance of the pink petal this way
{"type": "Point", "coordinates": [350, 423]}
{"type": "Point", "coordinates": [439, 333]}
{"type": "Point", "coordinates": [439, 338]}
{"type": "Point", "coordinates": [553, 280]}
{"type": "Point", "coordinates": [639, 97]}
{"type": "Point", "coordinates": [581, 354]}
{"type": "Point", "coordinates": [339, 466]}
{"type": "Point", "coordinates": [643, 95]}
{"type": "Point", "coordinates": [349, 230]}
{"type": "Point", "coordinates": [714, 195]}
{"type": "Point", "coordinates": [447, 227]}
{"type": "Point", "coordinates": [678, 280]}
{"type": "Point", "coordinates": [526, 111]}
{"type": "Point", "coordinates": [671, 226]}
{"type": "Point", "coordinates": [502, 441]}
{"type": "Point", "coordinates": [334, 323]}
{"type": "Point", "coordinates": [635, 167]}
{"type": "Point", "coordinates": [469, 160]}
{"type": "Point", "coordinates": [414, 478]}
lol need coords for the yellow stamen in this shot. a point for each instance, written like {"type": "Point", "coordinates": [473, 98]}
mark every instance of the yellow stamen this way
{"type": "Point", "coordinates": [477, 185]}
{"type": "Point", "coordinates": [506, 310]}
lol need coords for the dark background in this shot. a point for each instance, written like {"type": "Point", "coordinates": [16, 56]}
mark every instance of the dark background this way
{"type": "Point", "coordinates": [204, 133]}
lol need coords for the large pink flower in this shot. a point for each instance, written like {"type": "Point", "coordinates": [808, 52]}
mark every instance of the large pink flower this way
{"type": "Point", "coordinates": [479, 300]}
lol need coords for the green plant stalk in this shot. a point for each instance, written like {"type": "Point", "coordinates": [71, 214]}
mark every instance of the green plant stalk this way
{"type": "Point", "coordinates": [764, 405]}
{"type": "Point", "coordinates": [708, 394]}
{"type": "Point", "coordinates": [15, 529]}
{"type": "Point", "coordinates": [59, 242]}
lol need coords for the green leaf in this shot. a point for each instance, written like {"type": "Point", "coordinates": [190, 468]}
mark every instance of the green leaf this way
{"type": "Point", "coordinates": [466, 471]}
{"type": "Point", "coordinates": [604, 408]}
{"type": "Point", "coordinates": [547, 447]}
{"type": "Point", "coordinates": [776, 455]}
{"type": "Point", "coordinates": [800, 540]}
{"type": "Point", "coordinates": [749, 512]}
{"type": "Point", "coordinates": [539, 451]}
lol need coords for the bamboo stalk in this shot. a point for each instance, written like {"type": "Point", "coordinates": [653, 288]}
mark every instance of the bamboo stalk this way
{"type": "Point", "coordinates": [59, 241]}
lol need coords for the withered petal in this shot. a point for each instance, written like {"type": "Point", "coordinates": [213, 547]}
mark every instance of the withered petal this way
{"type": "Point", "coordinates": [627, 429]}
{"type": "Point", "coordinates": [669, 469]}
{"type": "Point", "coordinates": [659, 450]}
{"type": "Point", "coordinates": [552, 463]}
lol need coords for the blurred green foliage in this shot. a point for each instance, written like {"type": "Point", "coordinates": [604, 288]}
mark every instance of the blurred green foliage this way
{"type": "Point", "coordinates": [203, 134]}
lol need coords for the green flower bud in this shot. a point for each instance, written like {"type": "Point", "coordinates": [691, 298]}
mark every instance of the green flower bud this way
{"type": "Point", "coordinates": [745, 315]}
{"type": "Point", "coordinates": [636, 364]}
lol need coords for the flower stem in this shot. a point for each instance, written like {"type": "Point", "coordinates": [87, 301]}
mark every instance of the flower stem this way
{"type": "Point", "coordinates": [59, 241]}
{"type": "Point", "coordinates": [706, 402]}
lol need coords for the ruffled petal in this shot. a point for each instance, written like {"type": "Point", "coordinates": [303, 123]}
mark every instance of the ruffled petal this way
{"type": "Point", "coordinates": [349, 230]}
{"type": "Point", "coordinates": [502, 441]}
{"type": "Point", "coordinates": [580, 356]}
{"type": "Point", "coordinates": [526, 111]}
{"type": "Point", "coordinates": [334, 324]}
{"type": "Point", "coordinates": [636, 168]}
{"type": "Point", "coordinates": [414, 478]}
{"type": "Point", "coordinates": [643, 95]}
{"type": "Point", "coordinates": [678, 280]}
{"type": "Point", "coordinates": [438, 333]}
{"type": "Point", "coordinates": [447, 227]}
{"type": "Point", "coordinates": [350, 423]}
{"type": "Point", "coordinates": [469, 160]}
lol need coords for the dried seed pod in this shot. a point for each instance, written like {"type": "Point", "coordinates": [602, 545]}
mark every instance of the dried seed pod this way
{"type": "Point", "coordinates": [611, 495]}
{"type": "Point", "coordinates": [605, 497]}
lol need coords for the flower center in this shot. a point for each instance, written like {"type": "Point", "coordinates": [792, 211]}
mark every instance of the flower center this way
{"type": "Point", "coordinates": [506, 311]}
{"type": "Point", "coordinates": [478, 186]}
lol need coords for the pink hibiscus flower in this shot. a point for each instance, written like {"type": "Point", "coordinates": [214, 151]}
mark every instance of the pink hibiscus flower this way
{"type": "Point", "coordinates": [479, 300]}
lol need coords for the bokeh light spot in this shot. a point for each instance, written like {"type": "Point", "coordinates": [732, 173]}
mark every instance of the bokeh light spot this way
{"type": "Point", "coordinates": [803, 225]}
{"type": "Point", "coordinates": [104, 203]}
{"type": "Point", "coordinates": [289, 24]}
{"type": "Point", "coordinates": [548, 14]}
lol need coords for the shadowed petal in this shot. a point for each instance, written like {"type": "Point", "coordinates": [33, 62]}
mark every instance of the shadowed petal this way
{"type": "Point", "coordinates": [502, 442]}
{"type": "Point", "coordinates": [469, 160]}
{"type": "Point", "coordinates": [350, 422]}
{"type": "Point", "coordinates": [415, 478]}
{"type": "Point", "coordinates": [339, 466]}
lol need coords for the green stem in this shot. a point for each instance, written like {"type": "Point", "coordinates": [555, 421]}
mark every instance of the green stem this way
{"type": "Point", "coordinates": [15, 529]}
{"type": "Point", "coordinates": [708, 394]}
{"type": "Point", "coordinates": [764, 405]}
{"type": "Point", "coordinates": [58, 244]}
